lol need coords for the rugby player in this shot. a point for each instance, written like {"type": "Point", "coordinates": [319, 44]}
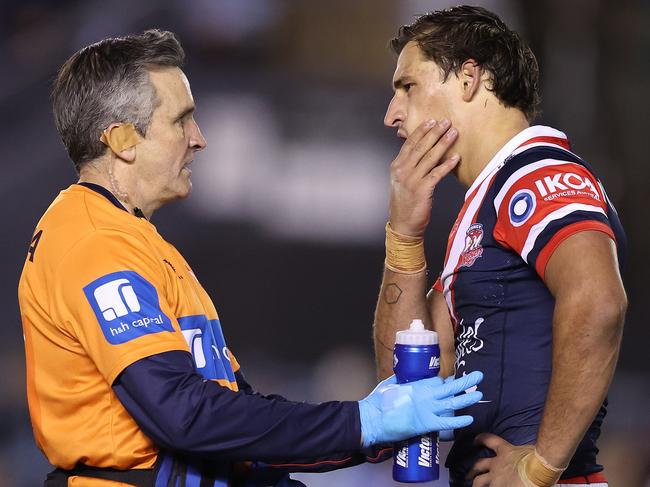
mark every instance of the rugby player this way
{"type": "Point", "coordinates": [129, 378]}
{"type": "Point", "coordinates": [530, 290]}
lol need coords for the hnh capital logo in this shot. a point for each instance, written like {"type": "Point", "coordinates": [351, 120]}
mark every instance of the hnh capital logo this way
{"type": "Point", "coordinates": [116, 298]}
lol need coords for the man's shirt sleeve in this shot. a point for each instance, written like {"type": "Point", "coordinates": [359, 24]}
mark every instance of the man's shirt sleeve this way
{"type": "Point", "coordinates": [182, 412]}
{"type": "Point", "coordinates": [543, 203]}
{"type": "Point", "coordinates": [112, 296]}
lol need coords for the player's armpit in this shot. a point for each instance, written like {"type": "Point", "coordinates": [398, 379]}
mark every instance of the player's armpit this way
{"type": "Point", "coordinates": [443, 326]}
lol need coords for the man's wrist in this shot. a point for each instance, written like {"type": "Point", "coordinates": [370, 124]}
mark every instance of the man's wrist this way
{"type": "Point", "coordinates": [535, 471]}
{"type": "Point", "coordinates": [404, 253]}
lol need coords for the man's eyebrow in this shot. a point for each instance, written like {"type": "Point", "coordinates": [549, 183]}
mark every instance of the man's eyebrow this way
{"type": "Point", "coordinates": [186, 112]}
{"type": "Point", "coordinates": [400, 82]}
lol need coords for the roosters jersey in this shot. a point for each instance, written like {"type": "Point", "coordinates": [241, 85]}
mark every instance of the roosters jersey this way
{"type": "Point", "coordinates": [530, 197]}
{"type": "Point", "coordinates": [100, 290]}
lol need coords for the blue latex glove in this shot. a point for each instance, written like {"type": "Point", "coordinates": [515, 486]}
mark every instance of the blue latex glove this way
{"type": "Point", "coordinates": [394, 412]}
{"type": "Point", "coordinates": [447, 435]}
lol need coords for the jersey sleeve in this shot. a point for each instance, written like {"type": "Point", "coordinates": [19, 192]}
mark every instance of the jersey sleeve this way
{"type": "Point", "coordinates": [542, 204]}
{"type": "Point", "coordinates": [112, 297]}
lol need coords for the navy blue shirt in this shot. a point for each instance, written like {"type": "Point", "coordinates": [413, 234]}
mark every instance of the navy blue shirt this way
{"type": "Point", "coordinates": [534, 194]}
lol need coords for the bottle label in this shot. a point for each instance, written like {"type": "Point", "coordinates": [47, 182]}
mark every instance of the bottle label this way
{"type": "Point", "coordinates": [413, 363]}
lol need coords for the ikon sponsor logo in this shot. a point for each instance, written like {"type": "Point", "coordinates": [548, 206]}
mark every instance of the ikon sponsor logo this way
{"type": "Point", "coordinates": [565, 184]}
{"type": "Point", "coordinates": [521, 207]}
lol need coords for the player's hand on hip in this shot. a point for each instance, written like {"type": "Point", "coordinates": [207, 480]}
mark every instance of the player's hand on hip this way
{"type": "Point", "coordinates": [500, 470]}
{"type": "Point", "coordinates": [416, 171]}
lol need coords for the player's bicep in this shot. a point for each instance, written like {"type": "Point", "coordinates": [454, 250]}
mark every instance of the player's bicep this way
{"type": "Point", "coordinates": [443, 326]}
{"type": "Point", "coordinates": [585, 265]}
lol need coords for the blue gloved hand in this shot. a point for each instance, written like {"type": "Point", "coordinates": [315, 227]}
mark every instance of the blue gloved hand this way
{"type": "Point", "coordinates": [394, 412]}
{"type": "Point", "coordinates": [447, 435]}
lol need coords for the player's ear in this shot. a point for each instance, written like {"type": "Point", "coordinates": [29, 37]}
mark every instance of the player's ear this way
{"type": "Point", "coordinates": [121, 138]}
{"type": "Point", "coordinates": [470, 75]}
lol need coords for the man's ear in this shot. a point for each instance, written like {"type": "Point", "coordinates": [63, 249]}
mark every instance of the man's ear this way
{"type": "Point", "coordinates": [121, 138]}
{"type": "Point", "coordinates": [470, 75]}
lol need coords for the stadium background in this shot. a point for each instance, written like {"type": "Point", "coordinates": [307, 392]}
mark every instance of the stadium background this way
{"type": "Point", "coordinates": [285, 224]}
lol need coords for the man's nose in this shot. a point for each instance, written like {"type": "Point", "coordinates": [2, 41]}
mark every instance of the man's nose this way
{"type": "Point", "coordinates": [197, 141]}
{"type": "Point", "coordinates": [394, 113]}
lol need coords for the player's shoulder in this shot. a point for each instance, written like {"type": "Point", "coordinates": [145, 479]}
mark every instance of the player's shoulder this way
{"type": "Point", "coordinates": [543, 171]}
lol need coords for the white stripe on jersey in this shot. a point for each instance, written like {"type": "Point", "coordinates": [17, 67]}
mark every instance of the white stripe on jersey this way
{"type": "Point", "coordinates": [458, 244]}
{"type": "Point", "coordinates": [538, 228]}
{"type": "Point", "coordinates": [520, 173]}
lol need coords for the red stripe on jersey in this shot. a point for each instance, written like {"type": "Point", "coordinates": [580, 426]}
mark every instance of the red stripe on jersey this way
{"type": "Point", "coordinates": [554, 188]}
{"type": "Point", "coordinates": [438, 285]}
{"type": "Point", "coordinates": [592, 478]}
{"type": "Point", "coordinates": [550, 140]}
{"type": "Point", "coordinates": [577, 227]}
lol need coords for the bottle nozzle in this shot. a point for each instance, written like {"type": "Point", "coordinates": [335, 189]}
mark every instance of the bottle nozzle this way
{"type": "Point", "coordinates": [416, 325]}
{"type": "Point", "coordinates": [416, 335]}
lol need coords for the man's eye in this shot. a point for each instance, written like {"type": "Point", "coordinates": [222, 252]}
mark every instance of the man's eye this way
{"type": "Point", "coordinates": [408, 86]}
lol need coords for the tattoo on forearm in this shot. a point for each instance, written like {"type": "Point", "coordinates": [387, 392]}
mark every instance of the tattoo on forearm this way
{"type": "Point", "coordinates": [392, 293]}
{"type": "Point", "coordinates": [383, 344]}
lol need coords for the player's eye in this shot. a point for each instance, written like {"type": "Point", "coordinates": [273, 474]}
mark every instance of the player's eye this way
{"type": "Point", "coordinates": [408, 86]}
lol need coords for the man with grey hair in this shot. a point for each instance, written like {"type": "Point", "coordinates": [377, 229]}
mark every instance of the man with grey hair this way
{"type": "Point", "coordinates": [129, 378]}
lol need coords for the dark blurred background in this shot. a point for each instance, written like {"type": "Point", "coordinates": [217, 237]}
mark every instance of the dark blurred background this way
{"type": "Point", "coordinates": [285, 224]}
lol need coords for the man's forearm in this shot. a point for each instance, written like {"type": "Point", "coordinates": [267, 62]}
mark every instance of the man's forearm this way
{"type": "Point", "coordinates": [401, 299]}
{"type": "Point", "coordinates": [586, 342]}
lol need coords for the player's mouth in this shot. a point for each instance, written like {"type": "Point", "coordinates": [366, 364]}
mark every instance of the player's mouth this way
{"type": "Point", "coordinates": [186, 166]}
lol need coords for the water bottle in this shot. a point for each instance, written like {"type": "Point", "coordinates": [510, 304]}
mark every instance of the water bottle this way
{"type": "Point", "coordinates": [416, 356]}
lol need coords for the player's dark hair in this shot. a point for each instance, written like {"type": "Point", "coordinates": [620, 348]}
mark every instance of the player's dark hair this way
{"type": "Point", "coordinates": [108, 82]}
{"type": "Point", "coordinates": [452, 36]}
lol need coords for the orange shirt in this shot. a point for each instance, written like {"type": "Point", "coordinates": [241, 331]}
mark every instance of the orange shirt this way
{"type": "Point", "coordinates": [101, 289]}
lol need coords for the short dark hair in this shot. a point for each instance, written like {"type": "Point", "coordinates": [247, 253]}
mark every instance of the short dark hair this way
{"type": "Point", "coordinates": [108, 82]}
{"type": "Point", "coordinates": [452, 36]}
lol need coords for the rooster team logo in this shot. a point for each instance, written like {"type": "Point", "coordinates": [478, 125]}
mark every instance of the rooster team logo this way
{"type": "Point", "coordinates": [473, 249]}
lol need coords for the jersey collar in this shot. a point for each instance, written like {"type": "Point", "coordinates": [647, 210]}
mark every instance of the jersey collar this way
{"type": "Point", "coordinates": [522, 138]}
{"type": "Point", "coordinates": [110, 197]}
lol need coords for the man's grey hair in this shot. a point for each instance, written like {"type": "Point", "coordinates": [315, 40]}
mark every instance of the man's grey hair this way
{"type": "Point", "coordinates": [108, 82]}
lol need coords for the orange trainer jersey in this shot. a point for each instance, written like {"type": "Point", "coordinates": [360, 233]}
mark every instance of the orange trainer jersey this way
{"type": "Point", "coordinates": [101, 289]}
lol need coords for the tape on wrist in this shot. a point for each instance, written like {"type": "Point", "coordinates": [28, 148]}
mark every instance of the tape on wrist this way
{"type": "Point", "coordinates": [535, 471]}
{"type": "Point", "coordinates": [404, 254]}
